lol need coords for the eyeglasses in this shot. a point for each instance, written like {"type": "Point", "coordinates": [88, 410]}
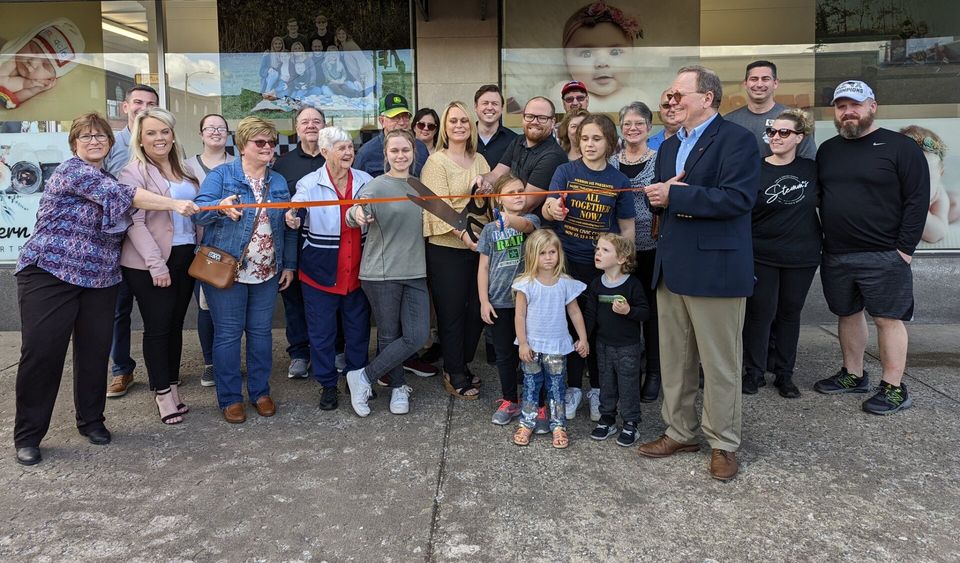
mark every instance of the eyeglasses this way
{"type": "Point", "coordinates": [677, 96]}
{"type": "Point", "coordinates": [262, 142]}
{"type": "Point", "coordinates": [424, 126]}
{"type": "Point", "coordinates": [541, 119]}
{"type": "Point", "coordinates": [665, 105]}
{"type": "Point", "coordinates": [85, 139]}
{"type": "Point", "coordinates": [212, 129]}
{"type": "Point", "coordinates": [783, 133]}
{"type": "Point", "coordinates": [572, 99]}
{"type": "Point", "coordinates": [632, 124]}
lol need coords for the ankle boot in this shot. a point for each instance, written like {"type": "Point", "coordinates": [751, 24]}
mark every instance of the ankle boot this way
{"type": "Point", "coordinates": [786, 387]}
{"type": "Point", "coordinates": [650, 390]}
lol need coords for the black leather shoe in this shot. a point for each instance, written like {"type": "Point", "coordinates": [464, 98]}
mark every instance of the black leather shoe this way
{"type": "Point", "coordinates": [98, 436]}
{"type": "Point", "coordinates": [650, 391]}
{"type": "Point", "coordinates": [328, 399]}
{"type": "Point", "coordinates": [786, 387]}
{"type": "Point", "coordinates": [749, 385]}
{"type": "Point", "coordinates": [28, 456]}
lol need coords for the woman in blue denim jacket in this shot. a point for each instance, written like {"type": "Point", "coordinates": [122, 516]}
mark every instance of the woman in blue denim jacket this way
{"type": "Point", "coordinates": [268, 252]}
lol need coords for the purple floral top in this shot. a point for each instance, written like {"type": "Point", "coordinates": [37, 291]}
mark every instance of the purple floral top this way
{"type": "Point", "coordinates": [82, 217]}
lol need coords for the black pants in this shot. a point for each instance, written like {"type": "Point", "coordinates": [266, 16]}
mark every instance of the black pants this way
{"type": "Point", "coordinates": [51, 311]}
{"type": "Point", "coordinates": [453, 287]}
{"type": "Point", "coordinates": [163, 310]}
{"type": "Point", "coordinates": [508, 354]}
{"type": "Point", "coordinates": [575, 364]}
{"type": "Point", "coordinates": [651, 330]}
{"type": "Point", "coordinates": [778, 295]}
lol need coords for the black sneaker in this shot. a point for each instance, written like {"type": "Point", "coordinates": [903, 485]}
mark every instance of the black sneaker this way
{"type": "Point", "coordinates": [888, 400]}
{"type": "Point", "coordinates": [843, 382]}
{"type": "Point", "coordinates": [750, 385]}
{"type": "Point", "coordinates": [786, 387]}
{"type": "Point", "coordinates": [604, 430]}
{"type": "Point", "coordinates": [328, 399]}
{"type": "Point", "coordinates": [629, 435]}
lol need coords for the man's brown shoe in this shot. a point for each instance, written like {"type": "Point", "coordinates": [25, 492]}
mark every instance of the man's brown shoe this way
{"type": "Point", "coordinates": [723, 465]}
{"type": "Point", "coordinates": [119, 385]}
{"type": "Point", "coordinates": [235, 413]}
{"type": "Point", "coordinates": [665, 446]}
{"type": "Point", "coordinates": [265, 406]}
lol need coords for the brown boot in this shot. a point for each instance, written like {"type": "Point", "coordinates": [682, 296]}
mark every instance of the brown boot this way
{"type": "Point", "coordinates": [665, 446]}
{"type": "Point", "coordinates": [723, 465]}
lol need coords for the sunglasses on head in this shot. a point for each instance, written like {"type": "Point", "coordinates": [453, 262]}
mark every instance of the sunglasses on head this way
{"type": "Point", "coordinates": [783, 133]}
{"type": "Point", "coordinates": [424, 126]}
{"type": "Point", "coordinates": [262, 143]}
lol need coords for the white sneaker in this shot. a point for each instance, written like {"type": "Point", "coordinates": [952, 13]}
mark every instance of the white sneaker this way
{"type": "Point", "coordinates": [572, 402]}
{"type": "Point", "coordinates": [340, 362]}
{"type": "Point", "coordinates": [299, 368]}
{"type": "Point", "coordinates": [593, 396]}
{"type": "Point", "coordinates": [359, 391]}
{"type": "Point", "coordinates": [400, 400]}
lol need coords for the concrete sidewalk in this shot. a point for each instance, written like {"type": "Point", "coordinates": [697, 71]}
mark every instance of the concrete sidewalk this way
{"type": "Point", "coordinates": [819, 480]}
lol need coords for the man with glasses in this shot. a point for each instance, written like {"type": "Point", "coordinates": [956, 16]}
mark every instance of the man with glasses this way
{"type": "Point", "coordinates": [394, 114]}
{"type": "Point", "coordinates": [705, 187]}
{"type": "Point", "coordinates": [492, 137]}
{"type": "Point", "coordinates": [875, 190]}
{"type": "Point", "coordinates": [293, 166]}
{"type": "Point", "coordinates": [669, 120]}
{"type": "Point", "coordinates": [534, 157]}
{"type": "Point", "coordinates": [761, 84]}
{"type": "Point", "coordinates": [574, 95]}
{"type": "Point", "coordinates": [138, 99]}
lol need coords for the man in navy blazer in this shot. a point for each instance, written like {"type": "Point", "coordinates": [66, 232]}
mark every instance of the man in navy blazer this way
{"type": "Point", "coordinates": [705, 187]}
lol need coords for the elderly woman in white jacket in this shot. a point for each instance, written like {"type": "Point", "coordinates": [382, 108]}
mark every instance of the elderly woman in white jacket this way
{"type": "Point", "coordinates": [330, 262]}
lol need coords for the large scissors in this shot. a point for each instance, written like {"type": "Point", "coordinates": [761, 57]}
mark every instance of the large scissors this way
{"type": "Point", "coordinates": [462, 220]}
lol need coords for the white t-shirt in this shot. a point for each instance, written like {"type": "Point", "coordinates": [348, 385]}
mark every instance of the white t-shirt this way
{"type": "Point", "coordinates": [547, 313]}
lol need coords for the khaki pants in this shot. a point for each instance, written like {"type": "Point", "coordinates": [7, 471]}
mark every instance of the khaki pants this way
{"type": "Point", "coordinates": [707, 331]}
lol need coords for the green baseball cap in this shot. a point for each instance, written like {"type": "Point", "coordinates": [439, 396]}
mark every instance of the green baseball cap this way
{"type": "Point", "coordinates": [393, 105]}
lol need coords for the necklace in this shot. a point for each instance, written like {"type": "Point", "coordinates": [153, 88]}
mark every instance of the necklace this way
{"type": "Point", "coordinates": [645, 156]}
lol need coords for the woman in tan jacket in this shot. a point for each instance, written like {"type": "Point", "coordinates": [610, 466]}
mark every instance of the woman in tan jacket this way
{"type": "Point", "coordinates": [157, 253]}
{"type": "Point", "coordinates": [452, 260]}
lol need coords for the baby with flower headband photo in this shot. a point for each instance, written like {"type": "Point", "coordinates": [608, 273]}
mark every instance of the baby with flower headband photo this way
{"type": "Point", "coordinates": [32, 63]}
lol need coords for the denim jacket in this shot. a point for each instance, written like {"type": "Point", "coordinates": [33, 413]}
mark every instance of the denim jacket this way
{"type": "Point", "coordinates": [232, 236]}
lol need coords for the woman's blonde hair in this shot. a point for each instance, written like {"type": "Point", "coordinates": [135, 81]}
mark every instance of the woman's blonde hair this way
{"type": "Point", "coordinates": [625, 249]}
{"type": "Point", "coordinates": [444, 142]}
{"type": "Point", "coordinates": [250, 127]}
{"type": "Point", "coordinates": [563, 134]}
{"type": "Point", "coordinates": [802, 121]}
{"type": "Point", "coordinates": [175, 156]}
{"type": "Point", "coordinates": [535, 243]}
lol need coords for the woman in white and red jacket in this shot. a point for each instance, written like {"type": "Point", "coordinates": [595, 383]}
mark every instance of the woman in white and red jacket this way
{"type": "Point", "coordinates": [157, 252]}
{"type": "Point", "coordinates": [330, 262]}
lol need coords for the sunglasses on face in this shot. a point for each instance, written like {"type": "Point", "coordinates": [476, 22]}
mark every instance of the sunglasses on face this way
{"type": "Point", "coordinates": [572, 99]}
{"type": "Point", "coordinates": [677, 96]}
{"type": "Point", "coordinates": [424, 126]}
{"type": "Point", "coordinates": [262, 143]}
{"type": "Point", "coordinates": [783, 133]}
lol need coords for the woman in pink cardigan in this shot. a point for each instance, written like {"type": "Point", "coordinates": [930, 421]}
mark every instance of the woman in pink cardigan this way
{"type": "Point", "coordinates": [157, 253]}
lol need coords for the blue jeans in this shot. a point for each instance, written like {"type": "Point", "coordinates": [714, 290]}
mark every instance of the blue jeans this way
{"type": "Point", "coordinates": [402, 311]}
{"type": "Point", "coordinates": [123, 364]}
{"type": "Point", "coordinates": [298, 340]}
{"type": "Point", "coordinates": [321, 308]}
{"type": "Point", "coordinates": [548, 370]}
{"type": "Point", "coordinates": [204, 329]}
{"type": "Point", "coordinates": [242, 308]}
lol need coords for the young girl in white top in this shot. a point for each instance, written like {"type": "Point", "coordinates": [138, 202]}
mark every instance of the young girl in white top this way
{"type": "Point", "coordinates": [545, 296]}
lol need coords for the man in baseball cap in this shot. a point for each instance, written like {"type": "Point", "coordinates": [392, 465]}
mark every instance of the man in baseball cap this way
{"type": "Point", "coordinates": [394, 114]}
{"type": "Point", "coordinates": [574, 95]}
{"type": "Point", "coordinates": [875, 190]}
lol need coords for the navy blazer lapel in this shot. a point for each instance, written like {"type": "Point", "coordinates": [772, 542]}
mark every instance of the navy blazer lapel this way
{"type": "Point", "coordinates": [667, 154]}
{"type": "Point", "coordinates": [702, 143]}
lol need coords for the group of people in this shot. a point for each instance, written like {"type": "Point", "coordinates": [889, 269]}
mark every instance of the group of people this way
{"type": "Point", "coordinates": [658, 264]}
{"type": "Point", "coordinates": [321, 63]}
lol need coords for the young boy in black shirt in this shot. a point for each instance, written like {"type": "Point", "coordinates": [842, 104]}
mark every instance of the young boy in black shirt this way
{"type": "Point", "coordinates": [616, 307]}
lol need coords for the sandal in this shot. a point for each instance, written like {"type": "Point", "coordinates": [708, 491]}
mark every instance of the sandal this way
{"type": "Point", "coordinates": [474, 379]}
{"type": "Point", "coordinates": [522, 436]}
{"type": "Point", "coordinates": [465, 393]}
{"type": "Point", "coordinates": [171, 417]}
{"type": "Point", "coordinates": [181, 408]}
{"type": "Point", "coordinates": [560, 438]}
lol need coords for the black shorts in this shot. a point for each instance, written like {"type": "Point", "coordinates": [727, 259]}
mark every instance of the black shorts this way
{"type": "Point", "coordinates": [881, 282]}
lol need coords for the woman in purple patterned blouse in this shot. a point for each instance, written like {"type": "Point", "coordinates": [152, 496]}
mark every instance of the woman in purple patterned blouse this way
{"type": "Point", "coordinates": [67, 280]}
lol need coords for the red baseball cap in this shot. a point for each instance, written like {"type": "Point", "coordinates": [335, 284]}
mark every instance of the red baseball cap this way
{"type": "Point", "coordinates": [573, 85]}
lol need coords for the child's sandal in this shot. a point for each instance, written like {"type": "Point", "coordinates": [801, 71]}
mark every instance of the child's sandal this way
{"type": "Point", "coordinates": [560, 439]}
{"type": "Point", "coordinates": [522, 436]}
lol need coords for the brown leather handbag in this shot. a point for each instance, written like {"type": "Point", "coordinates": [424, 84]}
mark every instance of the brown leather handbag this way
{"type": "Point", "coordinates": [217, 267]}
